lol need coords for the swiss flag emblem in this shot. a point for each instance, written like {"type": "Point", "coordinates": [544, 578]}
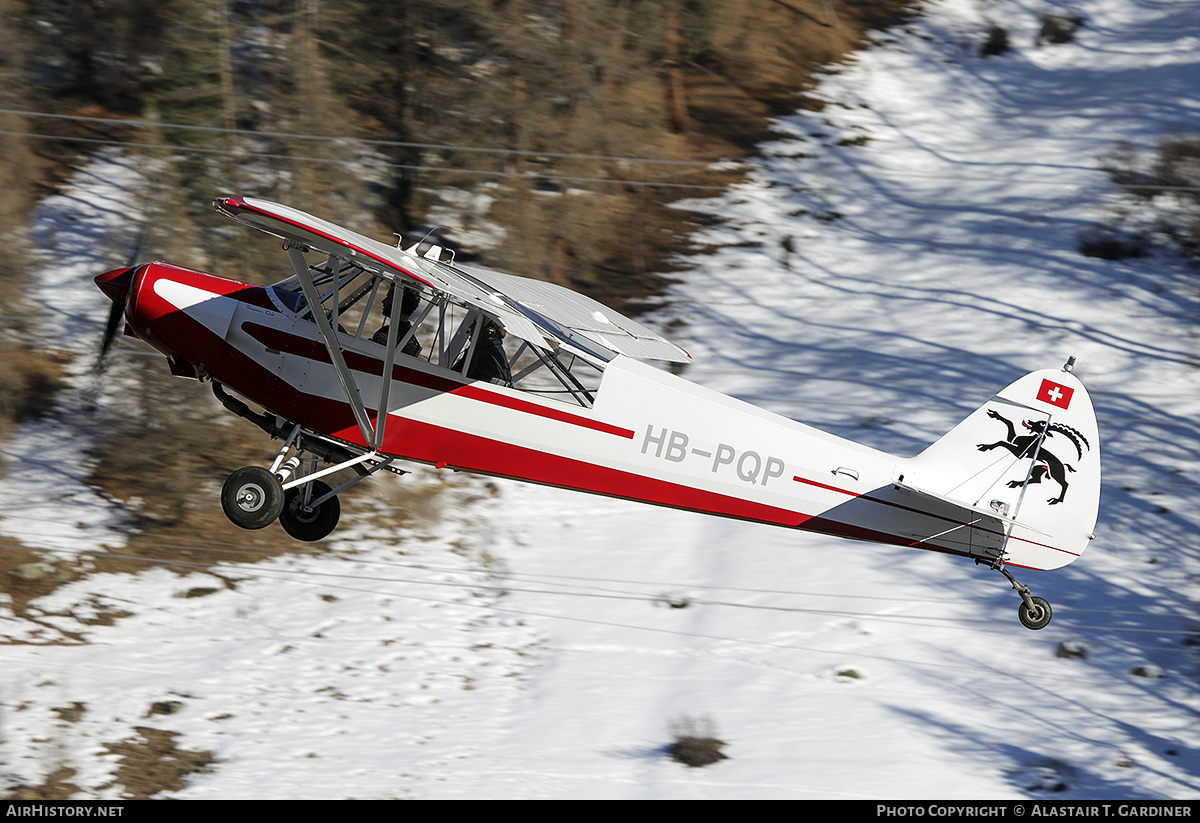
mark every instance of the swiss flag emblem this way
{"type": "Point", "coordinates": [1055, 394]}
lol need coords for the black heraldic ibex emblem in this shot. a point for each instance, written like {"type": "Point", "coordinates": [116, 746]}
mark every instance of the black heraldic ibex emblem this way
{"type": "Point", "coordinates": [1026, 445]}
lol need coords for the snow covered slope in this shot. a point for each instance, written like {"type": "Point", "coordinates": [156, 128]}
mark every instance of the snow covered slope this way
{"type": "Point", "coordinates": [894, 259]}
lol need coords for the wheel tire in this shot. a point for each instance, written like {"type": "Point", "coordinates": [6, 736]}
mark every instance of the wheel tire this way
{"type": "Point", "coordinates": [315, 523]}
{"type": "Point", "coordinates": [252, 498]}
{"type": "Point", "coordinates": [1036, 618]}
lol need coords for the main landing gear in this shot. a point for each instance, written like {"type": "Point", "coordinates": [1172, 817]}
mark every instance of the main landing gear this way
{"type": "Point", "coordinates": [254, 498]}
{"type": "Point", "coordinates": [291, 491]}
{"type": "Point", "coordinates": [1034, 612]}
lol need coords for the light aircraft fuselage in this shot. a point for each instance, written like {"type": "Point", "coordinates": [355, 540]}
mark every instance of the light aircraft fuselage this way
{"type": "Point", "coordinates": [577, 406]}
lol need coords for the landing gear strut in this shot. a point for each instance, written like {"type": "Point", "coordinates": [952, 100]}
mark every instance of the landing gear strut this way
{"type": "Point", "coordinates": [1034, 612]}
{"type": "Point", "coordinates": [254, 498]}
{"type": "Point", "coordinates": [289, 491]}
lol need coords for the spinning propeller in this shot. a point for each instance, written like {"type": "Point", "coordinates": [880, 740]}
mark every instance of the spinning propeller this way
{"type": "Point", "coordinates": [115, 284]}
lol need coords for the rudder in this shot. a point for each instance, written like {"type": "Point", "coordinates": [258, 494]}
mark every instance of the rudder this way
{"type": "Point", "coordinates": [998, 459]}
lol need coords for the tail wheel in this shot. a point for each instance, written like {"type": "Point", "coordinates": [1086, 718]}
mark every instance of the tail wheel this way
{"type": "Point", "coordinates": [309, 522]}
{"type": "Point", "coordinates": [1037, 617]}
{"type": "Point", "coordinates": [252, 498]}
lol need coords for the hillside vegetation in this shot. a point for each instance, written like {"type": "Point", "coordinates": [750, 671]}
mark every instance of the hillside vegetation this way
{"type": "Point", "coordinates": [549, 139]}
{"type": "Point", "coordinates": [508, 126]}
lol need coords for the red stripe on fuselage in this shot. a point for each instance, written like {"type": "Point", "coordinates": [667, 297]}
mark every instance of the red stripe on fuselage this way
{"type": "Point", "coordinates": [455, 449]}
{"type": "Point", "coordinates": [826, 486]}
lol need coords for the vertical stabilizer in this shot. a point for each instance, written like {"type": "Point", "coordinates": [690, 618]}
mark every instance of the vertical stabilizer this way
{"type": "Point", "coordinates": [1031, 454]}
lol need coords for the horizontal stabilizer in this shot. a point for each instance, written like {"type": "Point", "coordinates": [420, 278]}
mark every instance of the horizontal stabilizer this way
{"type": "Point", "coordinates": [949, 524]}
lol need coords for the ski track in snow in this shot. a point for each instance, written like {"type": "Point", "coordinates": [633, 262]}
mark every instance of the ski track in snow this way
{"type": "Point", "coordinates": [891, 262]}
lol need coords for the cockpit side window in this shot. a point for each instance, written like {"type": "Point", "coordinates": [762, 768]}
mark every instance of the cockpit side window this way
{"type": "Point", "coordinates": [405, 301]}
{"type": "Point", "coordinates": [345, 298]}
{"type": "Point", "coordinates": [474, 346]}
{"type": "Point", "coordinates": [556, 375]}
{"type": "Point", "coordinates": [440, 329]}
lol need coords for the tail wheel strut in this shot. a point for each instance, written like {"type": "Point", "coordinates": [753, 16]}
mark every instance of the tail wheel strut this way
{"type": "Point", "coordinates": [1034, 612]}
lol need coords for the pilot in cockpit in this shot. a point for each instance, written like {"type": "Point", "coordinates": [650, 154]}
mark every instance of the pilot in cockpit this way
{"type": "Point", "coordinates": [489, 362]}
{"type": "Point", "coordinates": [409, 301]}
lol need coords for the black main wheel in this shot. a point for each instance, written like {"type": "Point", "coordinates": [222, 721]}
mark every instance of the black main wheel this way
{"type": "Point", "coordinates": [309, 523]}
{"type": "Point", "coordinates": [1036, 618]}
{"type": "Point", "coordinates": [252, 498]}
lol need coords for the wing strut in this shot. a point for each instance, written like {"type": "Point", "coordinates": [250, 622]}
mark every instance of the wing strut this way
{"type": "Point", "coordinates": [300, 266]}
{"type": "Point", "coordinates": [389, 359]}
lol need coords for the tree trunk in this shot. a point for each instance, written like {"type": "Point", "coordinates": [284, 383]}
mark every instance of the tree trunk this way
{"type": "Point", "coordinates": [676, 97]}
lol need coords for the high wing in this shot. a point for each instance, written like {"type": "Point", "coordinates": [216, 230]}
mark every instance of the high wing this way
{"type": "Point", "coordinates": [543, 314]}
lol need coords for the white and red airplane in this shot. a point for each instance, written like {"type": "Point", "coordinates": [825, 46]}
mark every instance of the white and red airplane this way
{"type": "Point", "coordinates": [513, 377]}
